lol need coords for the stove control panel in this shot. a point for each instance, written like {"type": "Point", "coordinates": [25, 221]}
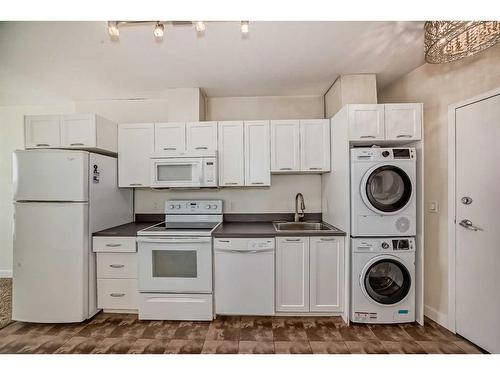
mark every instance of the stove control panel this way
{"type": "Point", "coordinates": [199, 206]}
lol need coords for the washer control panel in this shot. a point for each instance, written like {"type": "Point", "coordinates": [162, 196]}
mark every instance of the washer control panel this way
{"type": "Point", "coordinates": [361, 154]}
{"type": "Point", "coordinates": [383, 245]}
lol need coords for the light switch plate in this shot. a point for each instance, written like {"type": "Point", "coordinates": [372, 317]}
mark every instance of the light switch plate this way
{"type": "Point", "coordinates": [433, 207]}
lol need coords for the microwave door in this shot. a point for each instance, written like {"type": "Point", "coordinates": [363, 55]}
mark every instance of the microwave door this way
{"type": "Point", "coordinates": [177, 173]}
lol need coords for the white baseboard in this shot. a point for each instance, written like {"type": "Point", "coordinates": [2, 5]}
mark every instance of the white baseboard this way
{"type": "Point", "coordinates": [6, 274]}
{"type": "Point", "coordinates": [438, 317]}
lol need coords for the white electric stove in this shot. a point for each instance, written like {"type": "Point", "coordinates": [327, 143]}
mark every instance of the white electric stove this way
{"type": "Point", "coordinates": [175, 262]}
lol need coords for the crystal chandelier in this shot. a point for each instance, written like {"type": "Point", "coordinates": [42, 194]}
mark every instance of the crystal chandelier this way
{"type": "Point", "coordinates": [447, 41]}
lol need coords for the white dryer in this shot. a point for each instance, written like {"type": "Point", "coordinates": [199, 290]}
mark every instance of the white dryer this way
{"type": "Point", "coordinates": [383, 280]}
{"type": "Point", "coordinates": [383, 192]}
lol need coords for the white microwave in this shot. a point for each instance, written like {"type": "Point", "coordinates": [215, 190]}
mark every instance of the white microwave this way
{"type": "Point", "coordinates": [186, 171]}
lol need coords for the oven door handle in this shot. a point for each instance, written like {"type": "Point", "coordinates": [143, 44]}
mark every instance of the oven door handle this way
{"type": "Point", "coordinates": [175, 240]}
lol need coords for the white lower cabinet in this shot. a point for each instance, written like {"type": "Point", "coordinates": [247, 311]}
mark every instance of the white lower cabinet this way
{"type": "Point", "coordinates": [326, 274]}
{"type": "Point", "coordinates": [117, 289]}
{"type": "Point", "coordinates": [310, 274]}
{"type": "Point", "coordinates": [292, 274]}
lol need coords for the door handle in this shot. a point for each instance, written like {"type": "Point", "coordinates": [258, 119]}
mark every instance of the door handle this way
{"type": "Point", "coordinates": [170, 148]}
{"type": "Point", "coordinates": [117, 294]}
{"type": "Point", "coordinates": [76, 144]}
{"type": "Point", "coordinates": [42, 145]}
{"type": "Point", "coordinates": [285, 169]}
{"type": "Point", "coordinates": [467, 224]}
{"type": "Point", "coordinates": [117, 265]}
{"type": "Point", "coordinates": [367, 136]}
{"type": "Point", "coordinates": [113, 244]}
{"type": "Point", "coordinates": [201, 148]}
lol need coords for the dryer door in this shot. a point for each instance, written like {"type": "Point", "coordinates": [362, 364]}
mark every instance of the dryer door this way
{"type": "Point", "coordinates": [386, 189]}
{"type": "Point", "coordinates": [386, 281]}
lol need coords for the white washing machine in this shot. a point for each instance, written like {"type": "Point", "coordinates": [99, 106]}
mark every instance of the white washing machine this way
{"type": "Point", "coordinates": [383, 280]}
{"type": "Point", "coordinates": [383, 192]}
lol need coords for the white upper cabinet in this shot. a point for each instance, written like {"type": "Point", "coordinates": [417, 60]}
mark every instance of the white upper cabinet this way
{"type": "Point", "coordinates": [201, 136]}
{"type": "Point", "coordinates": [326, 274]}
{"type": "Point", "coordinates": [292, 274]}
{"type": "Point", "coordinates": [88, 131]}
{"type": "Point", "coordinates": [231, 153]}
{"type": "Point", "coordinates": [170, 138]}
{"type": "Point", "coordinates": [285, 146]}
{"type": "Point", "coordinates": [42, 131]}
{"type": "Point", "coordinates": [257, 153]}
{"type": "Point", "coordinates": [315, 145]}
{"type": "Point", "coordinates": [403, 121]}
{"type": "Point", "coordinates": [136, 143]}
{"type": "Point", "coordinates": [366, 122]}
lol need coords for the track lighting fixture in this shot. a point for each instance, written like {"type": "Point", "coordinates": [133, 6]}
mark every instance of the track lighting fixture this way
{"type": "Point", "coordinates": [159, 30]}
{"type": "Point", "coordinates": [244, 27]}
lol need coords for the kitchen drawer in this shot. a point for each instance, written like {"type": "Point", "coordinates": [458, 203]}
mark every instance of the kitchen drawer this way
{"type": "Point", "coordinates": [114, 244]}
{"type": "Point", "coordinates": [117, 265]}
{"type": "Point", "coordinates": [160, 306]}
{"type": "Point", "coordinates": [117, 294]}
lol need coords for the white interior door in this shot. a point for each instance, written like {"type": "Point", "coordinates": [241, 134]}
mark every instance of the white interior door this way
{"type": "Point", "coordinates": [477, 226]}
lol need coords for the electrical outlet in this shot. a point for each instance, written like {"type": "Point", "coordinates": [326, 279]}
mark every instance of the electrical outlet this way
{"type": "Point", "coordinates": [433, 207]}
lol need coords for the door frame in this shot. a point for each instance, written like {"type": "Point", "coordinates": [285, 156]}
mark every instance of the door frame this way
{"type": "Point", "coordinates": [452, 199]}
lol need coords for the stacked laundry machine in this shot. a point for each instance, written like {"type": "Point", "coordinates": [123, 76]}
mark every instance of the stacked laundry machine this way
{"type": "Point", "coordinates": [383, 229]}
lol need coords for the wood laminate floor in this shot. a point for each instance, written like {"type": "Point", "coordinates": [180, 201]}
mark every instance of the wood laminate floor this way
{"type": "Point", "coordinates": [124, 333]}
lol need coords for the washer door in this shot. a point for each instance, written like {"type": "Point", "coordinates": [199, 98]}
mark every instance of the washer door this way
{"type": "Point", "coordinates": [386, 189]}
{"type": "Point", "coordinates": [386, 281]}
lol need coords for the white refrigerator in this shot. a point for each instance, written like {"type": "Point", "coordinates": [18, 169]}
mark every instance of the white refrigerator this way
{"type": "Point", "coordinates": [61, 198]}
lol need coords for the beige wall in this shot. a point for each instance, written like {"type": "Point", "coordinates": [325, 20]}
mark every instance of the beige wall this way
{"type": "Point", "coordinates": [350, 89]}
{"type": "Point", "coordinates": [265, 108]}
{"type": "Point", "coordinates": [438, 86]}
{"type": "Point", "coordinates": [11, 139]}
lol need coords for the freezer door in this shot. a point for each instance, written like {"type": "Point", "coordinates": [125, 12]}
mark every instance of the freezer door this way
{"type": "Point", "coordinates": [51, 261]}
{"type": "Point", "coordinates": [50, 175]}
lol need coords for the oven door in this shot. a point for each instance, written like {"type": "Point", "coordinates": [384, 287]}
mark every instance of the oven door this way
{"type": "Point", "coordinates": [175, 265]}
{"type": "Point", "coordinates": [176, 172]}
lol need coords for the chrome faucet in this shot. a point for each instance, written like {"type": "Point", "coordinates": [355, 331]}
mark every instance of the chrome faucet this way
{"type": "Point", "coordinates": [298, 216]}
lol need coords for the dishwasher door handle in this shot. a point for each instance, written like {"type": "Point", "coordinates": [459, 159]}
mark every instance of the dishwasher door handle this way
{"type": "Point", "coordinates": [244, 251]}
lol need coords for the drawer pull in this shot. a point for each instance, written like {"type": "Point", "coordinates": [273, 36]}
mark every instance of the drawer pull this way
{"type": "Point", "coordinates": [117, 265]}
{"type": "Point", "coordinates": [223, 240]}
{"type": "Point", "coordinates": [113, 244]}
{"type": "Point", "coordinates": [285, 169]}
{"type": "Point", "coordinates": [327, 239]}
{"type": "Point", "coordinates": [134, 184]}
{"type": "Point", "coordinates": [76, 144]}
{"type": "Point", "coordinates": [201, 148]}
{"type": "Point", "coordinates": [231, 183]}
{"type": "Point", "coordinates": [257, 183]}
{"type": "Point", "coordinates": [42, 145]}
{"type": "Point", "coordinates": [117, 294]}
{"type": "Point", "coordinates": [170, 148]}
{"type": "Point", "coordinates": [294, 240]}
{"type": "Point", "coordinates": [404, 136]}
{"type": "Point", "coordinates": [315, 169]}
{"type": "Point", "coordinates": [367, 136]}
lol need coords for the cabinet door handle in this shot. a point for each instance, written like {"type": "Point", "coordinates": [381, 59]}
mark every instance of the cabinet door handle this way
{"type": "Point", "coordinates": [327, 239]}
{"type": "Point", "coordinates": [367, 136]}
{"type": "Point", "coordinates": [201, 148]}
{"type": "Point", "coordinates": [223, 240]}
{"type": "Point", "coordinates": [134, 184]}
{"type": "Point", "coordinates": [231, 183]}
{"type": "Point", "coordinates": [257, 183]}
{"type": "Point", "coordinates": [285, 169]}
{"type": "Point", "coordinates": [113, 244]}
{"type": "Point", "coordinates": [76, 144]}
{"type": "Point", "coordinates": [170, 148]}
{"type": "Point", "coordinates": [117, 265]}
{"type": "Point", "coordinates": [315, 169]}
{"type": "Point", "coordinates": [294, 240]}
{"type": "Point", "coordinates": [404, 136]}
{"type": "Point", "coordinates": [117, 294]}
{"type": "Point", "coordinates": [42, 145]}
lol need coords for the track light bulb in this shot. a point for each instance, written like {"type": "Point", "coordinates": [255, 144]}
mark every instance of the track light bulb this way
{"type": "Point", "coordinates": [200, 26]}
{"type": "Point", "coordinates": [113, 30]}
{"type": "Point", "coordinates": [245, 28]}
{"type": "Point", "coordinates": [159, 30]}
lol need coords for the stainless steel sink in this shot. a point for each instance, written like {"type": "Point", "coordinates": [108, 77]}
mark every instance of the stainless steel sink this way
{"type": "Point", "coordinates": [302, 227]}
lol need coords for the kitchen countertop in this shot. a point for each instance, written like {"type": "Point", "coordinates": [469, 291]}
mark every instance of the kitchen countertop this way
{"type": "Point", "coordinates": [125, 230]}
{"type": "Point", "coordinates": [265, 229]}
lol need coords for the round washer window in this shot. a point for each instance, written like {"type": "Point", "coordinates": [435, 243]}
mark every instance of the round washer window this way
{"type": "Point", "coordinates": [388, 188]}
{"type": "Point", "coordinates": [387, 281]}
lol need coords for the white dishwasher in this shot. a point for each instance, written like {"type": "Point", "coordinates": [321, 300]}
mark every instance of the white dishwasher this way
{"type": "Point", "coordinates": [244, 276]}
